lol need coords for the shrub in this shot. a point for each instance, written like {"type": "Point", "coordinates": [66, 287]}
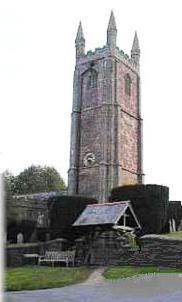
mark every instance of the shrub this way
{"type": "Point", "coordinates": [174, 212]}
{"type": "Point", "coordinates": [150, 203]}
{"type": "Point", "coordinates": [63, 211]}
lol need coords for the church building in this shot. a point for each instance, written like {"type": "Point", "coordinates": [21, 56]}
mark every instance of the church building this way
{"type": "Point", "coordinates": [106, 124]}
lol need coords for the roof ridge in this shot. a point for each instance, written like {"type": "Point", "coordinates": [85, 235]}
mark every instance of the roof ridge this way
{"type": "Point", "coordinates": [109, 203]}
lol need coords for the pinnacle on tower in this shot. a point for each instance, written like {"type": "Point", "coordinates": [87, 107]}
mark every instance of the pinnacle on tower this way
{"type": "Point", "coordinates": [79, 36]}
{"type": "Point", "coordinates": [80, 41]}
{"type": "Point", "coordinates": [135, 51]}
{"type": "Point", "coordinates": [112, 23]}
{"type": "Point", "coordinates": [111, 32]}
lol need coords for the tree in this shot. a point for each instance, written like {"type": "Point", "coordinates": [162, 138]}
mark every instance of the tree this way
{"type": "Point", "coordinates": [37, 179]}
{"type": "Point", "coordinates": [8, 184]}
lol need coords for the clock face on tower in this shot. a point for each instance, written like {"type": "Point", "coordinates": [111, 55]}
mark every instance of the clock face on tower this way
{"type": "Point", "coordinates": [89, 159]}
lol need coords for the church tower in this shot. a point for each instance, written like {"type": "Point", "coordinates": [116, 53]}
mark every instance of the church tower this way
{"type": "Point", "coordinates": [106, 126]}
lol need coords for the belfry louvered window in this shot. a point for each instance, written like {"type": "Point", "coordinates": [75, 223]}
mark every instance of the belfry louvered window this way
{"type": "Point", "coordinates": [127, 85]}
{"type": "Point", "coordinates": [92, 80]}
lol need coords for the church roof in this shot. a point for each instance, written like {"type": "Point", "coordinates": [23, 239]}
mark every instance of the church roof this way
{"type": "Point", "coordinates": [107, 213]}
{"type": "Point", "coordinates": [43, 196]}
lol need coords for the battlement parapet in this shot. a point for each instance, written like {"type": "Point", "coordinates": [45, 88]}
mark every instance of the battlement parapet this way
{"type": "Point", "coordinates": [99, 53]}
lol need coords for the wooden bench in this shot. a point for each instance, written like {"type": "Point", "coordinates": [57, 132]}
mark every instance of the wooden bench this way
{"type": "Point", "coordinates": [54, 256]}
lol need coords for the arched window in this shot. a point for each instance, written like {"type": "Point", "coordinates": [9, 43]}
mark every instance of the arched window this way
{"type": "Point", "coordinates": [127, 85]}
{"type": "Point", "coordinates": [92, 79]}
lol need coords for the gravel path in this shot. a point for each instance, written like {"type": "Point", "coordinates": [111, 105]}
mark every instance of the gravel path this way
{"type": "Point", "coordinates": [144, 288]}
{"type": "Point", "coordinates": [96, 277]}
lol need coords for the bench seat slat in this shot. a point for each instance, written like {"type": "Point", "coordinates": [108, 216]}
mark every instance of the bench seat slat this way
{"type": "Point", "coordinates": [55, 256]}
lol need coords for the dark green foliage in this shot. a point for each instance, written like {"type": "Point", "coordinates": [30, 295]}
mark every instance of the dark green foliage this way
{"type": "Point", "coordinates": [63, 211]}
{"type": "Point", "coordinates": [26, 227]}
{"type": "Point", "coordinates": [175, 211]}
{"type": "Point", "coordinates": [8, 184]}
{"type": "Point", "coordinates": [31, 180]}
{"type": "Point", "coordinates": [37, 179]}
{"type": "Point", "coordinates": [150, 203]}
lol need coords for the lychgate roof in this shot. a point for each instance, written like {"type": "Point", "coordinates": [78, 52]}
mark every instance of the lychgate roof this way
{"type": "Point", "coordinates": [107, 213]}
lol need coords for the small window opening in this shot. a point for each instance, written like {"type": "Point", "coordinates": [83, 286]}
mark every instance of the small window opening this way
{"type": "Point", "coordinates": [92, 80]}
{"type": "Point", "coordinates": [127, 85]}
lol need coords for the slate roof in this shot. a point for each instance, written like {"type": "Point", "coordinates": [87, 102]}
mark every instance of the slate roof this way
{"type": "Point", "coordinates": [41, 196]}
{"type": "Point", "coordinates": [107, 213]}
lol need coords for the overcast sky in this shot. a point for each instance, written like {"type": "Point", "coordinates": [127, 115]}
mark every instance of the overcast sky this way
{"type": "Point", "coordinates": [37, 58]}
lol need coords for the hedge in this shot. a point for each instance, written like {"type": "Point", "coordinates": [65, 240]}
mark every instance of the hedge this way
{"type": "Point", "coordinates": [150, 203]}
{"type": "Point", "coordinates": [63, 211]}
{"type": "Point", "coordinates": [175, 212]}
{"type": "Point", "coordinates": [26, 227]}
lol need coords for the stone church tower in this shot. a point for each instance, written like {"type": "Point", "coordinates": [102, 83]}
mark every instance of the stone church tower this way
{"type": "Point", "coordinates": [106, 130]}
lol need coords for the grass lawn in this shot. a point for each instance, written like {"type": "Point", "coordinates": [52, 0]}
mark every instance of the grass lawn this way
{"type": "Point", "coordinates": [175, 235]}
{"type": "Point", "coordinates": [118, 272]}
{"type": "Point", "coordinates": [38, 277]}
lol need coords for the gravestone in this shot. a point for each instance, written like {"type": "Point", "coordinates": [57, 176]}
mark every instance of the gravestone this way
{"type": "Point", "coordinates": [20, 238]}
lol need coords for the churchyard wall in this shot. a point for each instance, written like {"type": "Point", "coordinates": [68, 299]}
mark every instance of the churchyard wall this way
{"type": "Point", "coordinates": [107, 249]}
{"type": "Point", "coordinates": [156, 250]}
{"type": "Point", "coordinates": [15, 252]}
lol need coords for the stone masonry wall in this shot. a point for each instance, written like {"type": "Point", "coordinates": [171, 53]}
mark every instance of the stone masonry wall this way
{"type": "Point", "coordinates": [128, 155]}
{"type": "Point", "coordinates": [29, 208]}
{"type": "Point", "coordinates": [127, 178]}
{"type": "Point", "coordinates": [129, 134]}
{"type": "Point", "coordinates": [108, 249]}
{"type": "Point", "coordinates": [14, 252]}
{"type": "Point", "coordinates": [156, 250]}
{"type": "Point", "coordinates": [105, 124]}
{"type": "Point", "coordinates": [111, 249]}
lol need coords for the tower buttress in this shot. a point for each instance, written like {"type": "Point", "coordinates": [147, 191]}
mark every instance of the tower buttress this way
{"type": "Point", "coordinates": [111, 32]}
